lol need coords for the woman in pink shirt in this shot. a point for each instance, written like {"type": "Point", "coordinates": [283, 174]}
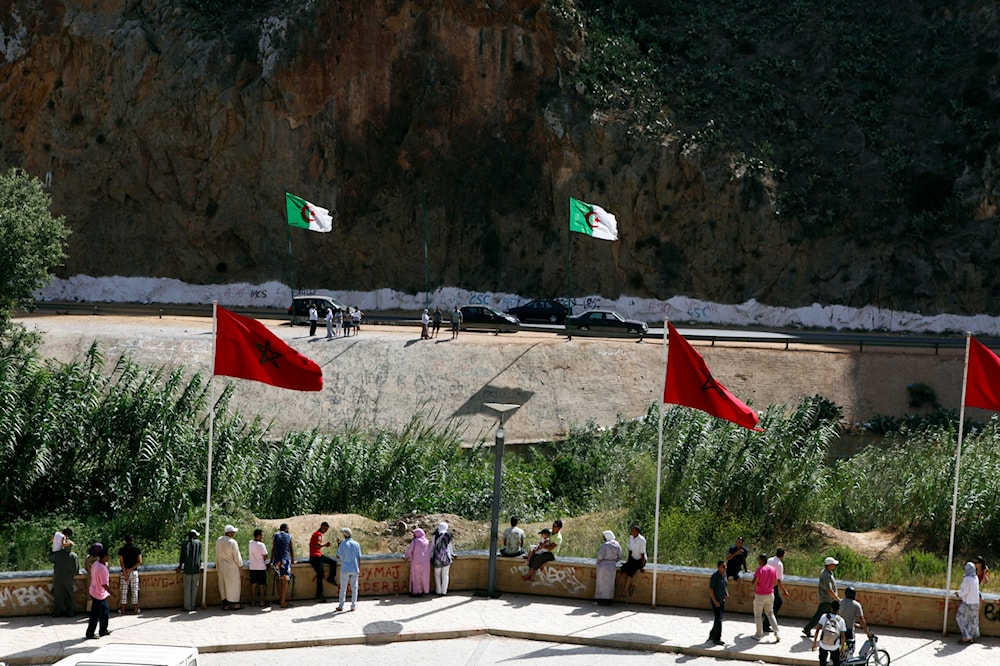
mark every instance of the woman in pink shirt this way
{"type": "Point", "coordinates": [100, 590]}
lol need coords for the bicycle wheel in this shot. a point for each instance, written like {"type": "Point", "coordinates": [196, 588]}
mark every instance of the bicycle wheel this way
{"type": "Point", "coordinates": [878, 658]}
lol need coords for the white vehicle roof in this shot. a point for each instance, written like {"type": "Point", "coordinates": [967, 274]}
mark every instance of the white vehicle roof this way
{"type": "Point", "coordinates": [125, 654]}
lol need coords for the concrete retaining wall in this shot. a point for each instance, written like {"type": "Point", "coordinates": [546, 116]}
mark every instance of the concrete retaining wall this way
{"type": "Point", "coordinates": [30, 593]}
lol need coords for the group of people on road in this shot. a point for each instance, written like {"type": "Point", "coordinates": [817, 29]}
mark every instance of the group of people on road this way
{"type": "Point", "coordinates": [335, 321]}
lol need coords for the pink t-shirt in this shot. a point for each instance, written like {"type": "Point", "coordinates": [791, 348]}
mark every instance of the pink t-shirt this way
{"type": "Point", "coordinates": [99, 577]}
{"type": "Point", "coordinates": [765, 577]}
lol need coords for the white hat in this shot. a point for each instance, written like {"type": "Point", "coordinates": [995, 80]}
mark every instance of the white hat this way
{"type": "Point", "coordinates": [229, 528]}
{"type": "Point", "coordinates": [828, 561]}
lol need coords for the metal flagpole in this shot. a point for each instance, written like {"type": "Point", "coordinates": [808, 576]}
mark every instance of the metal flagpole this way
{"type": "Point", "coordinates": [659, 466]}
{"type": "Point", "coordinates": [211, 434]}
{"type": "Point", "coordinates": [569, 262]}
{"type": "Point", "coordinates": [954, 498]}
{"type": "Point", "coordinates": [427, 261]}
{"type": "Point", "coordinates": [291, 264]}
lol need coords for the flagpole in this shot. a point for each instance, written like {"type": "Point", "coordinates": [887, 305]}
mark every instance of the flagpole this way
{"type": "Point", "coordinates": [569, 261]}
{"type": "Point", "coordinates": [659, 465]}
{"type": "Point", "coordinates": [291, 264]}
{"type": "Point", "coordinates": [211, 435]}
{"type": "Point", "coordinates": [954, 497]}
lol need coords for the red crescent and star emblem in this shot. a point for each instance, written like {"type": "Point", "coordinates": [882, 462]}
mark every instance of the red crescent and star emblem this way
{"type": "Point", "coordinates": [591, 218]}
{"type": "Point", "coordinates": [307, 214]}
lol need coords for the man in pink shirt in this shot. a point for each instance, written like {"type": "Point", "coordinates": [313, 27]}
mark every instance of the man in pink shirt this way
{"type": "Point", "coordinates": [764, 579]}
{"type": "Point", "coordinates": [100, 590]}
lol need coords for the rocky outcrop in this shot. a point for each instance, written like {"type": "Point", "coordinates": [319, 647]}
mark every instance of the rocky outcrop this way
{"type": "Point", "coordinates": [458, 123]}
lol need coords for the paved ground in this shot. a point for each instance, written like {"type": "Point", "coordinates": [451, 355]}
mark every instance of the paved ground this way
{"type": "Point", "coordinates": [378, 621]}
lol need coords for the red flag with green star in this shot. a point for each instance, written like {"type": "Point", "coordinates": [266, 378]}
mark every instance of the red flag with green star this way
{"type": "Point", "coordinates": [245, 348]}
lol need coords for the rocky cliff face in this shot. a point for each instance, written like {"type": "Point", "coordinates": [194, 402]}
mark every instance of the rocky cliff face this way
{"type": "Point", "coordinates": [169, 148]}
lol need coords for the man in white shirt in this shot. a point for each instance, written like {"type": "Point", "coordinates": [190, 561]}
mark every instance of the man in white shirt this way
{"type": "Point", "coordinates": [257, 552]}
{"type": "Point", "coordinates": [636, 558]}
{"type": "Point", "coordinates": [777, 563]}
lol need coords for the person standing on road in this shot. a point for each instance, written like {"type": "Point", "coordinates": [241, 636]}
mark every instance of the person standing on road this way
{"type": "Point", "coordinates": [317, 560]}
{"type": "Point", "coordinates": [765, 579]}
{"type": "Point", "coordinates": [356, 319]}
{"type": "Point", "coordinates": [736, 559]}
{"type": "Point", "coordinates": [349, 554]}
{"type": "Point", "coordinates": [313, 320]}
{"type": "Point", "coordinates": [100, 590]}
{"type": "Point", "coordinates": [347, 323]}
{"type": "Point", "coordinates": [826, 594]}
{"type": "Point", "coordinates": [65, 565]}
{"type": "Point", "coordinates": [967, 615]}
{"type": "Point", "coordinates": [456, 322]}
{"type": "Point", "coordinates": [338, 321]}
{"type": "Point", "coordinates": [513, 540]}
{"type": "Point", "coordinates": [718, 592]}
{"type": "Point", "coordinates": [442, 556]}
{"type": "Point", "coordinates": [425, 321]}
{"type": "Point", "coordinates": [329, 324]}
{"type": "Point", "coordinates": [282, 557]}
{"type": "Point", "coordinates": [778, 563]}
{"type": "Point", "coordinates": [418, 553]}
{"type": "Point", "coordinates": [257, 555]}
{"type": "Point", "coordinates": [129, 559]}
{"type": "Point", "coordinates": [829, 636]}
{"type": "Point", "coordinates": [608, 557]}
{"type": "Point", "coordinates": [228, 563]}
{"type": "Point", "coordinates": [437, 321]}
{"type": "Point", "coordinates": [636, 559]}
{"type": "Point", "coordinates": [190, 565]}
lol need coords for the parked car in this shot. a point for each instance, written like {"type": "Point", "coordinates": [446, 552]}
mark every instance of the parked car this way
{"type": "Point", "coordinates": [299, 309]}
{"type": "Point", "coordinates": [608, 322]}
{"type": "Point", "coordinates": [543, 310]}
{"type": "Point", "coordinates": [134, 655]}
{"type": "Point", "coordinates": [483, 318]}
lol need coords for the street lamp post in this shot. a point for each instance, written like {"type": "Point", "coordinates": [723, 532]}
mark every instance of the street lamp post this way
{"type": "Point", "coordinates": [500, 408]}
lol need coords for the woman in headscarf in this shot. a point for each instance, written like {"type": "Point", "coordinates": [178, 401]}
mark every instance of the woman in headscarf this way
{"type": "Point", "coordinates": [441, 557]}
{"type": "Point", "coordinates": [608, 557]}
{"type": "Point", "coordinates": [419, 555]}
{"type": "Point", "coordinates": [967, 616]}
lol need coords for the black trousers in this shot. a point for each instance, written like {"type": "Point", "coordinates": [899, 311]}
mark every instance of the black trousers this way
{"type": "Point", "coordinates": [317, 565]}
{"type": "Point", "coordinates": [822, 608]}
{"type": "Point", "coordinates": [717, 611]}
{"type": "Point", "coordinates": [99, 614]}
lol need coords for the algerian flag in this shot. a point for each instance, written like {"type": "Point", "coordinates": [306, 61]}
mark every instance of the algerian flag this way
{"type": "Point", "coordinates": [592, 220]}
{"type": "Point", "coordinates": [305, 215]}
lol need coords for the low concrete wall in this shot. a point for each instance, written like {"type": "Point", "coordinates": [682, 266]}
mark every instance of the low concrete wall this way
{"type": "Point", "coordinates": [30, 593]}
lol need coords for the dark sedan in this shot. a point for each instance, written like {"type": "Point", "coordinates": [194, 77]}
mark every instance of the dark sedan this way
{"type": "Point", "coordinates": [483, 318]}
{"type": "Point", "coordinates": [606, 322]}
{"type": "Point", "coordinates": [547, 311]}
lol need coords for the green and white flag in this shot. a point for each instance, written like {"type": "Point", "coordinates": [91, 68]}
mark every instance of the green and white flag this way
{"type": "Point", "coordinates": [592, 220]}
{"type": "Point", "coordinates": [305, 215]}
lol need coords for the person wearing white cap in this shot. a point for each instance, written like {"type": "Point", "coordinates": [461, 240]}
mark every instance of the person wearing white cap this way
{"type": "Point", "coordinates": [190, 565]}
{"type": "Point", "coordinates": [349, 554]}
{"type": "Point", "coordinates": [826, 594]}
{"type": "Point", "coordinates": [228, 563]}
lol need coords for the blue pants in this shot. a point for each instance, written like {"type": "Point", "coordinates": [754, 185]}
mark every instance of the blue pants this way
{"type": "Point", "coordinates": [99, 614]}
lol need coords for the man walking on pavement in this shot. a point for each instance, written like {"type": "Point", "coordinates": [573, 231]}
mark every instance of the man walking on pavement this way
{"type": "Point", "coordinates": [778, 564]}
{"type": "Point", "coordinates": [282, 557]}
{"type": "Point", "coordinates": [826, 594]}
{"type": "Point", "coordinates": [317, 559]}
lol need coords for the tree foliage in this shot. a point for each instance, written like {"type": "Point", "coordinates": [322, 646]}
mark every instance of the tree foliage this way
{"type": "Point", "coordinates": [32, 241]}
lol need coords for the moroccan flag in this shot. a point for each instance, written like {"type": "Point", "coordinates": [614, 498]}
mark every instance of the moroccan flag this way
{"type": "Point", "coordinates": [592, 220]}
{"type": "Point", "coordinates": [689, 383]}
{"type": "Point", "coordinates": [982, 382]}
{"type": "Point", "coordinates": [309, 216]}
{"type": "Point", "coordinates": [245, 348]}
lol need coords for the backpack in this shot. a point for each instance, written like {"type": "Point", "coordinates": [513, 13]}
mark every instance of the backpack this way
{"type": "Point", "coordinates": [831, 631]}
